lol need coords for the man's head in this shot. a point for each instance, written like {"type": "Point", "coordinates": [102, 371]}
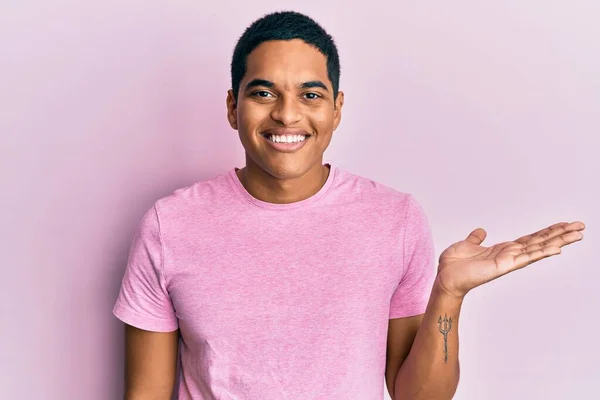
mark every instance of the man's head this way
{"type": "Point", "coordinates": [285, 75]}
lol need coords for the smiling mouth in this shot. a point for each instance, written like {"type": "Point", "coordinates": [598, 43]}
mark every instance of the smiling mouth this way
{"type": "Point", "coordinates": [285, 138]}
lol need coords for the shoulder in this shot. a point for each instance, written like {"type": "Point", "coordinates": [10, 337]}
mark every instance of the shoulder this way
{"type": "Point", "coordinates": [375, 193]}
{"type": "Point", "coordinates": [198, 197]}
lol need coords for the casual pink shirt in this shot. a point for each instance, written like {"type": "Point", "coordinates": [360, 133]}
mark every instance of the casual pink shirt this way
{"type": "Point", "coordinates": [279, 301]}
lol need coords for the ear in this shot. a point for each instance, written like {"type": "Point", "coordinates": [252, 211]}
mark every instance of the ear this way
{"type": "Point", "coordinates": [231, 109]}
{"type": "Point", "coordinates": [337, 112]}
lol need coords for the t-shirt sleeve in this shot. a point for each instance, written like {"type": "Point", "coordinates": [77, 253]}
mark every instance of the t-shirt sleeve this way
{"type": "Point", "coordinates": [412, 294]}
{"type": "Point", "coordinates": [143, 299]}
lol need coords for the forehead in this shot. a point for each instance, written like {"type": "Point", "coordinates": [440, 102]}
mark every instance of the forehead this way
{"type": "Point", "coordinates": [287, 62]}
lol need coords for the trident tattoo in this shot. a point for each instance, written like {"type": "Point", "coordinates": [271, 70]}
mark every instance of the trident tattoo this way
{"type": "Point", "coordinates": [444, 325]}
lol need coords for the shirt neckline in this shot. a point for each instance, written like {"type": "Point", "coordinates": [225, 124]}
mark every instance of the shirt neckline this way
{"type": "Point", "coordinates": [275, 206]}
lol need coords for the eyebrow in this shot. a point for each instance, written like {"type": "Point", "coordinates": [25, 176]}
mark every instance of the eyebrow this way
{"type": "Point", "coordinates": [269, 84]}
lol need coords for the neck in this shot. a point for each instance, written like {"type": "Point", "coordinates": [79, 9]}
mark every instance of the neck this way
{"type": "Point", "coordinates": [268, 188]}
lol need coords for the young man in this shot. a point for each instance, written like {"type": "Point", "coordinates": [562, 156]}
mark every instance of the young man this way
{"type": "Point", "coordinates": [294, 279]}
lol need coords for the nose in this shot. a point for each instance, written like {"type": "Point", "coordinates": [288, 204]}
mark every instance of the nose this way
{"type": "Point", "coordinates": [286, 110]}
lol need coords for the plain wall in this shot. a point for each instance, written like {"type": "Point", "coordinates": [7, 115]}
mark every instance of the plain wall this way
{"type": "Point", "coordinates": [488, 112]}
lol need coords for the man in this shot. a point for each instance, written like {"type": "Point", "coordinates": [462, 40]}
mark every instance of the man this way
{"type": "Point", "coordinates": [294, 279]}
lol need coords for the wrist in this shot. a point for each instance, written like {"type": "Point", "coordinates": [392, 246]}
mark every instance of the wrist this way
{"type": "Point", "coordinates": [441, 293]}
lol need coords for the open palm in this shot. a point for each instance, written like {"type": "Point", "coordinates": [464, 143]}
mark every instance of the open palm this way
{"type": "Point", "coordinates": [466, 264]}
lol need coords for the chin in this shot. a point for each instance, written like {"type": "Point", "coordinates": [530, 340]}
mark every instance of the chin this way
{"type": "Point", "coordinates": [287, 170]}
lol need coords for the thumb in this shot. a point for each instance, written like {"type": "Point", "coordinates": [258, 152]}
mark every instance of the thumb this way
{"type": "Point", "coordinates": [477, 236]}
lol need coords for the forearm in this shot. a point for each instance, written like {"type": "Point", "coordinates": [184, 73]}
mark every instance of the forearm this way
{"type": "Point", "coordinates": [149, 392]}
{"type": "Point", "coordinates": [431, 370]}
{"type": "Point", "coordinates": [147, 396]}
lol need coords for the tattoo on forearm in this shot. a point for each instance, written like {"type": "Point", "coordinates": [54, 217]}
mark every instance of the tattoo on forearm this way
{"type": "Point", "coordinates": [445, 325]}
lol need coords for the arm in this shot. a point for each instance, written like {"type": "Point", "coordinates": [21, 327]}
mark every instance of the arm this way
{"type": "Point", "coordinates": [151, 326]}
{"type": "Point", "coordinates": [400, 338]}
{"type": "Point", "coordinates": [431, 370]}
{"type": "Point", "coordinates": [409, 302]}
{"type": "Point", "coordinates": [150, 364]}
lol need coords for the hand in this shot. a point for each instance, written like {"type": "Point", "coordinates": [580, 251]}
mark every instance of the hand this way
{"type": "Point", "coordinates": [466, 265]}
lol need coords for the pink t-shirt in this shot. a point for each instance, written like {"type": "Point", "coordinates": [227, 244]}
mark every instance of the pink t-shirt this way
{"type": "Point", "coordinates": [279, 301]}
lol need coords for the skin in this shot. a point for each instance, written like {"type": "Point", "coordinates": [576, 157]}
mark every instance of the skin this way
{"type": "Point", "coordinates": [270, 175]}
{"type": "Point", "coordinates": [400, 338]}
{"type": "Point", "coordinates": [150, 364]}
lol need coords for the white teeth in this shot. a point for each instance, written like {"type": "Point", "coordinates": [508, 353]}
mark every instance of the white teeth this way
{"type": "Point", "coordinates": [286, 138]}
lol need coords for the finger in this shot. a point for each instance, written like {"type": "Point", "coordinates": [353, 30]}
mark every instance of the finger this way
{"type": "Point", "coordinates": [556, 232]}
{"type": "Point", "coordinates": [528, 258]}
{"type": "Point", "coordinates": [558, 241]}
{"type": "Point", "coordinates": [545, 231]}
{"type": "Point", "coordinates": [552, 231]}
{"type": "Point", "coordinates": [515, 249]}
{"type": "Point", "coordinates": [477, 236]}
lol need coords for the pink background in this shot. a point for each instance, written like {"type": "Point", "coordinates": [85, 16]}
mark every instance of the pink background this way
{"type": "Point", "coordinates": [488, 113]}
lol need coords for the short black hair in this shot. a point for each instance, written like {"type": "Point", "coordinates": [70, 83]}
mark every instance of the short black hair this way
{"type": "Point", "coordinates": [284, 25]}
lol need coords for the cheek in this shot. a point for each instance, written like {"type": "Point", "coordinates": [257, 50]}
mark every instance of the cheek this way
{"type": "Point", "coordinates": [251, 115]}
{"type": "Point", "coordinates": [323, 119]}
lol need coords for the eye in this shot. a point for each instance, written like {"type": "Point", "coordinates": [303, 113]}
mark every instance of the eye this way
{"type": "Point", "coordinates": [312, 96]}
{"type": "Point", "coordinates": [262, 93]}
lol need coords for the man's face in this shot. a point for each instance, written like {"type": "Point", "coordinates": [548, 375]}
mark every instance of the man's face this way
{"type": "Point", "coordinates": [285, 114]}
